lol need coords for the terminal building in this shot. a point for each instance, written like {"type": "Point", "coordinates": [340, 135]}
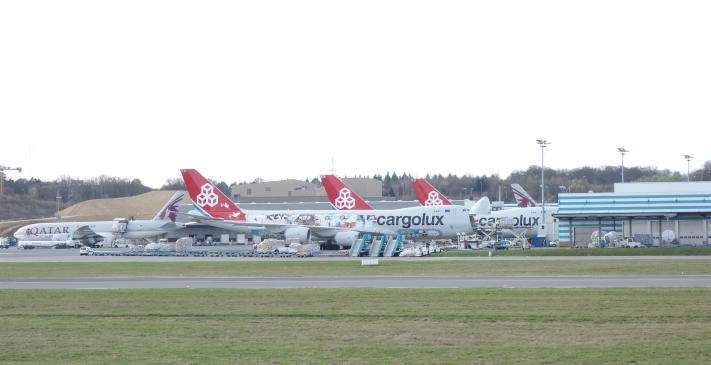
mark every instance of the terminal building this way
{"type": "Point", "coordinates": [292, 190]}
{"type": "Point", "coordinates": [641, 212]}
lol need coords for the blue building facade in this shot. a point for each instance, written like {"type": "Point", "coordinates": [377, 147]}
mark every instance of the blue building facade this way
{"type": "Point", "coordinates": [638, 211]}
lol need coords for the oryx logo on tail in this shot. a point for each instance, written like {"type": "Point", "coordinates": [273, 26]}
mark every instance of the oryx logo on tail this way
{"type": "Point", "coordinates": [523, 199]}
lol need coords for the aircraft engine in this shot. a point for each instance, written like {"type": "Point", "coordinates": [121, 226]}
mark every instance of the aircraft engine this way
{"type": "Point", "coordinates": [347, 238]}
{"type": "Point", "coordinates": [303, 234]}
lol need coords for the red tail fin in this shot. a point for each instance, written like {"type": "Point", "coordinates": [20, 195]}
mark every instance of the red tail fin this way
{"type": "Point", "coordinates": [341, 196]}
{"type": "Point", "coordinates": [208, 199]}
{"type": "Point", "coordinates": [428, 195]}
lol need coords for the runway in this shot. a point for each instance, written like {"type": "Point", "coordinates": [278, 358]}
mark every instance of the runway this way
{"type": "Point", "coordinates": [364, 282]}
{"type": "Point", "coordinates": [72, 255]}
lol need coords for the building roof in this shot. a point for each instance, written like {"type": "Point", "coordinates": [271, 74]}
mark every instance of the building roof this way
{"type": "Point", "coordinates": [364, 187]}
{"type": "Point", "coordinates": [638, 200]}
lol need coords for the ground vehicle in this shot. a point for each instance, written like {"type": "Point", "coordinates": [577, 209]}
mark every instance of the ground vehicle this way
{"type": "Point", "coordinates": [502, 245]}
{"type": "Point", "coordinates": [86, 251]}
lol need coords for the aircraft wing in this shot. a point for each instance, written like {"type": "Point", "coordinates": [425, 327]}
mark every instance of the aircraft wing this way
{"type": "Point", "coordinates": [318, 230]}
{"type": "Point", "coordinates": [85, 233]}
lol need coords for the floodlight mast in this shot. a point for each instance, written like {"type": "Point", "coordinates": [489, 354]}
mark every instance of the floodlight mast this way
{"type": "Point", "coordinates": [622, 152]}
{"type": "Point", "coordinates": [543, 143]}
{"type": "Point", "coordinates": [688, 165]}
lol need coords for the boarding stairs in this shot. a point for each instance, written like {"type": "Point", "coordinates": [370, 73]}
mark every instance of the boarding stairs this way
{"type": "Point", "coordinates": [360, 246]}
{"type": "Point", "coordinates": [394, 247]}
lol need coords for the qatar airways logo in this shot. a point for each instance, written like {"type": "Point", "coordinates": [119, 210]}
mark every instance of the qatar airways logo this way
{"type": "Point", "coordinates": [36, 231]}
{"type": "Point", "coordinates": [207, 196]}
{"type": "Point", "coordinates": [407, 221]}
{"type": "Point", "coordinates": [171, 209]}
{"type": "Point", "coordinates": [433, 199]}
{"type": "Point", "coordinates": [344, 200]}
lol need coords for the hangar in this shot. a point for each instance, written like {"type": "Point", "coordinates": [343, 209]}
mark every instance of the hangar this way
{"type": "Point", "coordinates": [641, 212]}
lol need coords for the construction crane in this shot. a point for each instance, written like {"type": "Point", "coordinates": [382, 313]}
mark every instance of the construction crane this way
{"type": "Point", "coordinates": [2, 176]}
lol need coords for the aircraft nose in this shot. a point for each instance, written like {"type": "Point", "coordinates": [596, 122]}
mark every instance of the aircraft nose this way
{"type": "Point", "coordinates": [18, 234]}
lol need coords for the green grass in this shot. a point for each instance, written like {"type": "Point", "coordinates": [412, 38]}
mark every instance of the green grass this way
{"type": "Point", "coordinates": [654, 251]}
{"type": "Point", "coordinates": [402, 326]}
{"type": "Point", "coordinates": [354, 268]}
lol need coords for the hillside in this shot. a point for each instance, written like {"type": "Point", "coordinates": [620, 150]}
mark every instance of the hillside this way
{"type": "Point", "coordinates": [23, 207]}
{"type": "Point", "coordinates": [143, 206]}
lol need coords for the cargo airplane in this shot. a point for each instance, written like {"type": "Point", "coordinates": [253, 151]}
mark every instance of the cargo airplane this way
{"type": "Point", "coordinates": [343, 228]}
{"type": "Point", "coordinates": [75, 234]}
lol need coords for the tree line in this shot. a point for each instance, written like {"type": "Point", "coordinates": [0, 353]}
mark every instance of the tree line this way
{"type": "Point", "coordinates": [397, 186]}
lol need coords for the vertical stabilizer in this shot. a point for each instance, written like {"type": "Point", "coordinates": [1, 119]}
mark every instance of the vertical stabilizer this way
{"type": "Point", "coordinates": [169, 212]}
{"type": "Point", "coordinates": [523, 199]}
{"type": "Point", "coordinates": [208, 199]}
{"type": "Point", "coordinates": [481, 207]}
{"type": "Point", "coordinates": [341, 196]}
{"type": "Point", "coordinates": [428, 195]}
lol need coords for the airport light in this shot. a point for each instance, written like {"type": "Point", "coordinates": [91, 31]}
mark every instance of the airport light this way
{"type": "Point", "coordinates": [622, 152]}
{"type": "Point", "coordinates": [59, 202]}
{"type": "Point", "coordinates": [688, 165]}
{"type": "Point", "coordinates": [543, 143]}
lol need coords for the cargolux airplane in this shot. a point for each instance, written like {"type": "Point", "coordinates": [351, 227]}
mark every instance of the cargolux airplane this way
{"type": "Point", "coordinates": [343, 228]}
{"type": "Point", "coordinates": [519, 218]}
{"type": "Point", "coordinates": [341, 196]}
{"type": "Point", "coordinates": [523, 199]}
{"type": "Point", "coordinates": [428, 195]}
{"type": "Point", "coordinates": [90, 233]}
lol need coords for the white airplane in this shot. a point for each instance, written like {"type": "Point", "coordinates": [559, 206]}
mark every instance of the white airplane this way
{"type": "Point", "coordinates": [428, 195]}
{"type": "Point", "coordinates": [344, 228]}
{"type": "Point", "coordinates": [519, 218]}
{"type": "Point", "coordinates": [75, 234]}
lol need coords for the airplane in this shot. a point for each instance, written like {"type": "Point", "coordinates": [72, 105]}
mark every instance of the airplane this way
{"type": "Point", "coordinates": [76, 234]}
{"type": "Point", "coordinates": [519, 218]}
{"type": "Point", "coordinates": [428, 195]}
{"type": "Point", "coordinates": [343, 228]}
{"type": "Point", "coordinates": [523, 199]}
{"type": "Point", "coordinates": [341, 196]}
{"type": "Point", "coordinates": [344, 198]}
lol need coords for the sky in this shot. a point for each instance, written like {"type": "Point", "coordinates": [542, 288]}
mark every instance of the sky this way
{"type": "Point", "coordinates": [290, 89]}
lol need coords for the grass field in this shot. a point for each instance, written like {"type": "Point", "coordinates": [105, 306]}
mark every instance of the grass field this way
{"type": "Point", "coordinates": [655, 251]}
{"type": "Point", "coordinates": [354, 268]}
{"type": "Point", "coordinates": [402, 326]}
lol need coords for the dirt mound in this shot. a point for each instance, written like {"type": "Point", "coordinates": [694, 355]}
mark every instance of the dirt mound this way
{"type": "Point", "coordinates": [144, 206]}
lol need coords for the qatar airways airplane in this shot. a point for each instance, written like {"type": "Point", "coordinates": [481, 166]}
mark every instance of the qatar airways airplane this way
{"type": "Point", "coordinates": [90, 233]}
{"type": "Point", "coordinates": [344, 228]}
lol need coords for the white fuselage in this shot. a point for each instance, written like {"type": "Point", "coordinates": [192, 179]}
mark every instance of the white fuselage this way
{"type": "Point", "coordinates": [519, 218]}
{"type": "Point", "coordinates": [430, 221]}
{"type": "Point", "coordinates": [51, 234]}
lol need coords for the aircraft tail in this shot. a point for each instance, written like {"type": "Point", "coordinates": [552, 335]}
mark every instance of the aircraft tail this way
{"type": "Point", "coordinates": [483, 206]}
{"type": "Point", "coordinates": [428, 195]}
{"type": "Point", "coordinates": [208, 199]}
{"type": "Point", "coordinates": [341, 196]}
{"type": "Point", "coordinates": [169, 212]}
{"type": "Point", "coordinates": [523, 199]}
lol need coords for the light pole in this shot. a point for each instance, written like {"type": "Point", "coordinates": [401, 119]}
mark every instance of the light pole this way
{"type": "Point", "coordinates": [59, 202]}
{"type": "Point", "coordinates": [543, 143]}
{"type": "Point", "coordinates": [622, 152]}
{"type": "Point", "coordinates": [688, 164]}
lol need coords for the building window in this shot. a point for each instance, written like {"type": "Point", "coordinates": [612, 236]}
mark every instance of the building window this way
{"type": "Point", "coordinates": [268, 188]}
{"type": "Point", "coordinates": [249, 191]}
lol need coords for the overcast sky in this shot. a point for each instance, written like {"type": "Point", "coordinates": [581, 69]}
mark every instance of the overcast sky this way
{"type": "Point", "coordinates": [277, 89]}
